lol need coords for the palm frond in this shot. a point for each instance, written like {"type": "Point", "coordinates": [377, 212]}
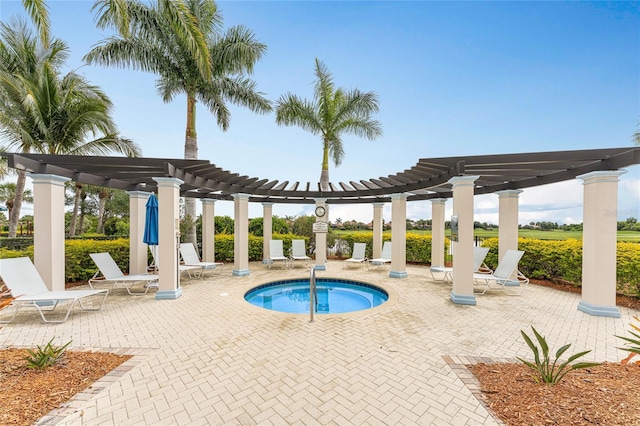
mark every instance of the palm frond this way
{"type": "Point", "coordinates": [236, 52]}
{"type": "Point", "coordinates": [183, 24]}
{"type": "Point", "coordinates": [293, 111]}
{"type": "Point", "coordinates": [39, 13]}
{"type": "Point", "coordinates": [112, 13]}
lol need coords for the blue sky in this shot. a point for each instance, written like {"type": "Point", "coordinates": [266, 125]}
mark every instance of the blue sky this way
{"type": "Point", "coordinates": [453, 78]}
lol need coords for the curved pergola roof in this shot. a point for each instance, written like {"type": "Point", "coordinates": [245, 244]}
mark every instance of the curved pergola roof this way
{"type": "Point", "coordinates": [426, 180]}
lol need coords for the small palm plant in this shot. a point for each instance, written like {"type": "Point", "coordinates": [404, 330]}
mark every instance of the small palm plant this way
{"type": "Point", "coordinates": [546, 371]}
{"type": "Point", "coordinates": [46, 356]}
{"type": "Point", "coordinates": [632, 343]}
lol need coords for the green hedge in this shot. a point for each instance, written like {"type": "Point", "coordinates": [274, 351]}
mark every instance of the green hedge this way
{"type": "Point", "coordinates": [78, 263]}
{"type": "Point", "coordinates": [563, 259]}
{"type": "Point", "coordinates": [542, 259]}
{"type": "Point", "coordinates": [418, 245]}
{"type": "Point", "coordinates": [224, 246]}
{"type": "Point", "coordinates": [18, 243]}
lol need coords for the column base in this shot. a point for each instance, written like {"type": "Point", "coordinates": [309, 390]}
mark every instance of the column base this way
{"type": "Point", "coordinates": [266, 261]}
{"type": "Point", "coordinates": [397, 274]}
{"type": "Point", "coordinates": [240, 272]}
{"type": "Point", "coordinates": [599, 311]}
{"type": "Point", "coordinates": [169, 294]}
{"type": "Point", "coordinates": [320, 267]}
{"type": "Point", "coordinates": [462, 299]}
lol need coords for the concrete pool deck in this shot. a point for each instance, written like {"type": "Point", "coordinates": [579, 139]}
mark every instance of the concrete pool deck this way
{"type": "Point", "coordinates": [209, 357]}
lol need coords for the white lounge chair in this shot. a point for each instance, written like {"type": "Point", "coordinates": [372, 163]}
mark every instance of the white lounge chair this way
{"type": "Point", "coordinates": [155, 267]}
{"type": "Point", "coordinates": [358, 256]}
{"type": "Point", "coordinates": [506, 274]}
{"type": "Point", "coordinates": [191, 258]}
{"type": "Point", "coordinates": [22, 279]}
{"type": "Point", "coordinates": [385, 256]}
{"type": "Point", "coordinates": [299, 252]}
{"type": "Point", "coordinates": [276, 253]}
{"type": "Point", "coordinates": [479, 254]}
{"type": "Point", "coordinates": [110, 273]}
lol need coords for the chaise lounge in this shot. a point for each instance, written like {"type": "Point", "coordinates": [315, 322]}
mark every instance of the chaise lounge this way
{"type": "Point", "coordinates": [28, 290]}
{"type": "Point", "coordinates": [110, 273]}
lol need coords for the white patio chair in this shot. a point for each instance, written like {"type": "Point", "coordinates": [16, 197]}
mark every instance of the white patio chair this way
{"type": "Point", "coordinates": [276, 253]}
{"type": "Point", "coordinates": [155, 267]}
{"type": "Point", "coordinates": [110, 273]}
{"type": "Point", "coordinates": [191, 258]}
{"type": "Point", "coordinates": [22, 279]}
{"type": "Point", "coordinates": [385, 256]}
{"type": "Point", "coordinates": [358, 256]}
{"type": "Point", "coordinates": [506, 275]}
{"type": "Point", "coordinates": [299, 252]}
{"type": "Point", "coordinates": [479, 254]}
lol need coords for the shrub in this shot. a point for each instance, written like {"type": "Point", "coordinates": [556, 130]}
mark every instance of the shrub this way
{"type": "Point", "coordinates": [46, 356]}
{"type": "Point", "coordinates": [628, 268]}
{"type": "Point", "coordinates": [547, 259]}
{"type": "Point", "coordinates": [546, 371]}
{"type": "Point", "coordinates": [19, 243]}
{"type": "Point", "coordinates": [224, 246]}
{"type": "Point", "coordinates": [418, 245]}
{"type": "Point", "coordinates": [78, 263]}
{"type": "Point", "coordinates": [633, 344]}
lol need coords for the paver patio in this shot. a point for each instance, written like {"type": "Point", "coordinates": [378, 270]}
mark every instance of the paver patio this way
{"type": "Point", "coordinates": [211, 358]}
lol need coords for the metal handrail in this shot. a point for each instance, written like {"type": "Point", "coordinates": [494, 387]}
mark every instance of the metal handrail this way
{"type": "Point", "coordinates": [312, 293]}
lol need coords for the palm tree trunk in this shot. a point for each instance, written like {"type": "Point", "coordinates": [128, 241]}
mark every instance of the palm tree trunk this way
{"type": "Point", "coordinates": [191, 153]}
{"type": "Point", "coordinates": [83, 196]}
{"type": "Point", "coordinates": [74, 216]}
{"type": "Point", "coordinates": [324, 175]}
{"type": "Point", "coordinates": [324, 180]}
{"type": "Point", "coordinates": [14, 215]}
{"type": "Point", "coordinates": [101, 207]}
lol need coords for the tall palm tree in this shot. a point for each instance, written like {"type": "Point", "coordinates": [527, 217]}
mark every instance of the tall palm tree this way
{"type": "Point", "coordinates": [8, 195]}
{"type": "Point", "coordinates": [331, 113]}
{"type": "Point", "coordinates": [42, 111]}
{"type": "Point", "coordinates": [149, 40]}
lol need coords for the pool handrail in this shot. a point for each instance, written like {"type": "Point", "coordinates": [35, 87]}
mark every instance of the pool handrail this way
{"type": "Point", "coordinates": [312, 293]}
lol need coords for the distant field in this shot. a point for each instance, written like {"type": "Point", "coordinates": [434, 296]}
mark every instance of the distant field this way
{"type": "Point", "coordinates": [630, 236]}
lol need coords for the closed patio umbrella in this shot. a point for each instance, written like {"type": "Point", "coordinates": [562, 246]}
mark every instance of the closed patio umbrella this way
{"type": "Point", "coordinates": [150, 236]}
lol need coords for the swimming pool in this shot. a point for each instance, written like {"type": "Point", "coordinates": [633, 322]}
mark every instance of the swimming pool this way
{"type": "Point", "coordinates": [334, 296]}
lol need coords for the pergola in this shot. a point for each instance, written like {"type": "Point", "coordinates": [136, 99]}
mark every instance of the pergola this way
{"type": "Point", "coordinates": [434, 179]}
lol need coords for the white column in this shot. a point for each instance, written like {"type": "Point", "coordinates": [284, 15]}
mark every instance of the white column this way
{"type": "Point", "coordinates": [241, 235]}
{"type": "Point", "coordinates": [208, 230]}
{"type": "Point", "coordinates": [377, 230]}
{"type": "Point", "coordinates": [48, 229]}
{"type": "Point", "coordinates": [507, 220]}
{"type": "Point", "coordinates": [169, 237]}
{"type": "Point", "coordinates": [437, 231]}
{"type": "Point", "coordinates": [463, 191]}
{"type": "Point", "coordinates": [599, 236]}
{"type": "Point", "coordinates": [398, 236]}
{"type": "Point", "coordinates": [267, 231]}
{"type": "Point", "coordinates": [138, 255]}
{"type": "Point", "coordinates": [321, 238]}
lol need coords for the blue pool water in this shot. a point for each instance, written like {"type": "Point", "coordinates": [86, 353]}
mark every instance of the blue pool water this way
{"type": "Point", "coordinates": [334, 296]}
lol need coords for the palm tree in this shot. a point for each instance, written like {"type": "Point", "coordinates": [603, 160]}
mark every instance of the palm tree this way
{"type": "Point", "coordinates": [103, 196]}
{"type": "Point", "coordinates": [331, 113]}
{"type": "Point", "coordinates": [8, 195]}
{"type": "Point", "coordinates": [151, 40]}
{"type": "Point", "coordinates": [44, 112]}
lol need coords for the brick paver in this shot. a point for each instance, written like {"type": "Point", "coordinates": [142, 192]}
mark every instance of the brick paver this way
{"type": "Point", "coordinates": [211, 358]}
